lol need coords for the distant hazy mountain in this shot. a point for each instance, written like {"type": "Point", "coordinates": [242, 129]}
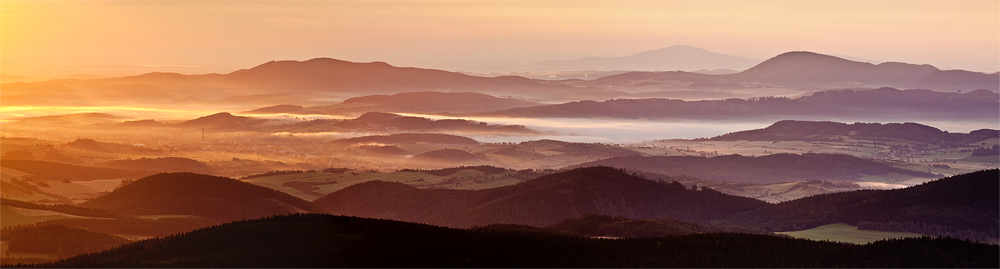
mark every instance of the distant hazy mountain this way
{"type": "Point", "coordinates": [288, 82]}
{"type": "Point", "coordinates": [371, 121]}
{"type": "Point", "coordinates": [766, 169]}
{"type": "Point", "coordinates": [542, 201]}
{"type": "Point", "coordinates": [677, 57]}
{"type": "Point", "coordinates": [305, 82]}
{"type": "Point", "coordinates": [325, 74]}
{"type": "Point", "coordinates": [809, 70]}
{"type": "Point", "coordinates": [813, 69]}
{"type": "Point", "coordinates": [878, 104]}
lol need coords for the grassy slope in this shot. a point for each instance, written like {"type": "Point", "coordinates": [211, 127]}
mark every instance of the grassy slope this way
{"type": "Point", "coordinates": [842, 232]}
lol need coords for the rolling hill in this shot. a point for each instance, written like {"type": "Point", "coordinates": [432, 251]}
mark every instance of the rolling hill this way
{"type": "Point", "coordinates": [42, 170]}
{"type": "Point", "coordinates": [814, 71]}
{"type": "Point", "coordinates": [802, 68]}
{"type": "Point", "coordinates": [163, 164]}
{"type": "Point", "coordinates": [789, 130]}
{"type": "Point", "coordinates": [217, 198]}
{"type": "Point", "coordinates": [446, 156]}
{"type": "Point", "coordinates": [223, 121]}
{"type": "Point", "coordinates": [408, 138]}
{"type": "Point", "coordinates": [338, 241]}
{"type": "Point", "coordinates": [422, 102]}
{"type": "Point", "coordinates": [542, 201]}
{"type": "Point", "coordinates": [963, 206]}
{"type": "Point", "coordinates": [774, 168]}
{"type": "Point", "coordinates": [878, 104]}
{"type": "Point", "coordinates": [374, 77]}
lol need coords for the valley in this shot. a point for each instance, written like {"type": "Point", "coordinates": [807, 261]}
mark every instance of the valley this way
{"type": "Point", "coordinates": [671, 157]}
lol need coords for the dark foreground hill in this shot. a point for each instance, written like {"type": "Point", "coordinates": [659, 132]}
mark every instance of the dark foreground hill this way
{"type": "Point", "coordinates": [603, 225]}
{"type": "Point", "coordinates": [774, 168]}
{"type": "Point", "coordinates": [963, 206]}
{"type": "Point", "coordinates": [336, 241]}
{"type": "Point", "coordinates": [217, 198]}
{"type": "Point", "coordinates": [62, 241]}
{"type": "Point", "coordinates": [539, 202]}
{"type": "Point", "coordinates": [790, 130]}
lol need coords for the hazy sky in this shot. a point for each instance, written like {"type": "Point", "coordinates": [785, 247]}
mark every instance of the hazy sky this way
{"type": "Point", "coordinates": [47, 39]}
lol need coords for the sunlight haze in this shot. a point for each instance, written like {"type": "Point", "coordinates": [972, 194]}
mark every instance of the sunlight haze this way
{"type": "Point", "coordinates": [54, 39]}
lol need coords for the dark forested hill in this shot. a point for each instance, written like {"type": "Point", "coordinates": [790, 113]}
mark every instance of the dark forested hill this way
{"type": "Point", "coordinates": [603, 225]}
{"type": "Point", "coordinates": [60, 240]}
{"type": "Point", "coordinates": [963, 206]}
{"type": "Point", "coordinates": [542, 201]}
{"type": "Point", "coordinates": [338, 241]}
{"type": "Point", "coordinates": [790, 130]}
{"type": "Point", "coordinates": [765, 169]}
{"type": "Point", "coordinates": [217, 198]}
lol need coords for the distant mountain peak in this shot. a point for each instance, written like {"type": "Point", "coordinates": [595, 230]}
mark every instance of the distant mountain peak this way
{"type": "Point", "coordinates": [676, 57]}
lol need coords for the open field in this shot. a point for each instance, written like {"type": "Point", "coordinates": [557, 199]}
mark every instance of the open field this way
{"type": "Point", "coordinates": [841, 232]}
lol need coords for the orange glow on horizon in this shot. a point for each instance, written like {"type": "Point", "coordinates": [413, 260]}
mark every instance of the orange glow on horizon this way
{"type": "Point", "coordinates": [52, 39]}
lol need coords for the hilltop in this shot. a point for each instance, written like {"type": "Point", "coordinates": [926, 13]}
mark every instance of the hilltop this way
{"type": "Point", "coordinates": [422, 102]}
{"type": "Point", "coordinates": [217, 198]}
{"type": "Point", "coordinates": [543, 201]}
{"type": "Point", "coordinates": [774, 168]}
{"type": "Point", "coordinates": [790, 130]}
{"type": "Point", "coordinates": [805, 68]}
{"type": "Point", "coordinates": [408, 138]}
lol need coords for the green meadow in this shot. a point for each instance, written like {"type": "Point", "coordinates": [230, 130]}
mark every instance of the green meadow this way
{"type": "Point", "coordinates": [842, 232]}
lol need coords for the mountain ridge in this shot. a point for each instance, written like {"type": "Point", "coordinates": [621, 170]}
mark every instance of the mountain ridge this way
{"type": "Point", "coordinates": [676, 57]}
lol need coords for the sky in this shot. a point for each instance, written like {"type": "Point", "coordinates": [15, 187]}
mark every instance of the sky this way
{"type": "Point", "coordinates": [54, 39]}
